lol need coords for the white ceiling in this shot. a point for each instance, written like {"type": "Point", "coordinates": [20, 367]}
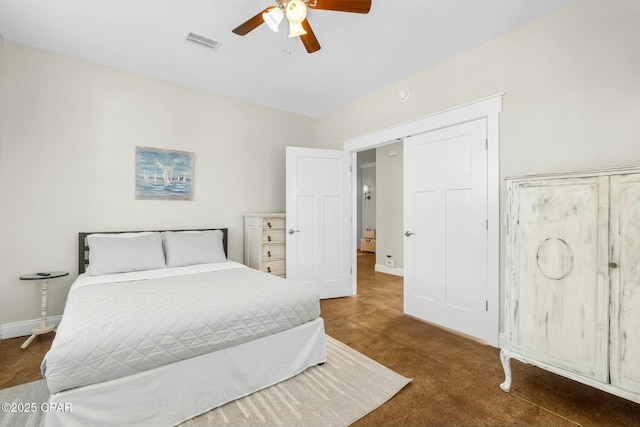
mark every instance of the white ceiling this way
{"type": "Point", "coordinates": [360, 53]}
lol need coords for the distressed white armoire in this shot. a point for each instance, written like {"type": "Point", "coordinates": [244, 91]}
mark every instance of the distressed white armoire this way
{"type": "Point", "coordinates": [572, 295]}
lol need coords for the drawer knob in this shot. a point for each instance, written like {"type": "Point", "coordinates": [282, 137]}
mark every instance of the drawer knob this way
{"type": "Point", "coordinates": [268, 269]}
{"type": "Point", "coordinates": [269, 238]}
{"type": "Point", "coordinates": [269, 254]}
{"type": "Point", "coordinates": [269, 224]}
{"type": "Point", "coordinates": [613, 265]}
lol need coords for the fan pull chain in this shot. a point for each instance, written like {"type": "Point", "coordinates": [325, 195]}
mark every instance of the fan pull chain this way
{"type": "Point", "coordinates": [284, 38]}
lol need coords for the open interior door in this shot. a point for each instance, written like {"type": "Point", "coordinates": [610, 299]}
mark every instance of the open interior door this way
{"type": "Point", "coordinates": [319, 244]}
{"type": "Point", "coordinates": [445, 217]}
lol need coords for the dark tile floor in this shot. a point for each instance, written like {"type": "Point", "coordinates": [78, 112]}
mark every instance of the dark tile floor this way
{"type": "Point", "coordinates": [455, 379]}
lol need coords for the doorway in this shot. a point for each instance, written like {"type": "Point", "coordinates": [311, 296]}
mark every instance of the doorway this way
{"type": "Point", "coordinates": [380, 207]}
{"type": "Point", "coordinates": [367, 201]}
{"type": "Point", "coordinates": [487, 109]}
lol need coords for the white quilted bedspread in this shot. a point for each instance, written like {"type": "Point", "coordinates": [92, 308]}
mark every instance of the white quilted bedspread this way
{"type": "Point", "coordinates": [112, 330]}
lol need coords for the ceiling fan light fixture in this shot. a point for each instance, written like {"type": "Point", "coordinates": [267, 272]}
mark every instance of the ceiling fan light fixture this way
{"type": "Point", "coordinates": [296, 29]}
{"type": "Point", "coordinates": [296, 11]}
{"type": "Point", "coordinates": [273, 18]}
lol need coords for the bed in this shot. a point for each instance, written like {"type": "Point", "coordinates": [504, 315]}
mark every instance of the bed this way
{"type": "Point", "coordinates": [162, 327]}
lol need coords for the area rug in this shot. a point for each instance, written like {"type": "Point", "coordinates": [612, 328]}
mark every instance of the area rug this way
{"type": "Point", "coordinates": [346, 388]}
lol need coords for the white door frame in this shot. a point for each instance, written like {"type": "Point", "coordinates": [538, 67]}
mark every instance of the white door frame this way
{"type": "Point", "coordinates": [488, 108]}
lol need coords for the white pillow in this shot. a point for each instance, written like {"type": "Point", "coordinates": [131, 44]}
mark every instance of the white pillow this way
{"type": "Point", "coordinates": [123, 252]}
{"type": "Point", "coordinates": [193, 247]}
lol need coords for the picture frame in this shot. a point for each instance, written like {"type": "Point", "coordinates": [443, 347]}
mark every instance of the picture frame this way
{"type": "Point", "coordinates": [163, 174]}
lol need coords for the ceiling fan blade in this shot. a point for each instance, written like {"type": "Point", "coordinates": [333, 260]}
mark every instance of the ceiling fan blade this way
{"type": "Point", "coordinates": [354, 6]}
{"type": "Point", "coordinates": [309, 40]}
{"type": "Point", "coordinates": [251, 24]}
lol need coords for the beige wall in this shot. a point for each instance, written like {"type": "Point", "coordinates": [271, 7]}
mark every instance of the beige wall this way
{"type": "Point", "coordinates": [67, 163]}
{"type": "Point", "coordinates": [572, 92]}
{"type": "Point", "coordinates": [1, 97]}
{"type": "Point", "coordinates": [389, 176]}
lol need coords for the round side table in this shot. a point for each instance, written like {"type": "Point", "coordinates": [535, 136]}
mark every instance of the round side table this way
{"type": "Point", "coordinates": [43, 328]}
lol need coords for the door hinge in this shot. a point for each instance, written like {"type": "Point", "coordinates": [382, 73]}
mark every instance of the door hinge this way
{"type": "Point", "coordinates": [351, 271]}
{"type": "Point", "coordinates": [486, 144]}
{"type": "Point", "coordinates": [486, 305]}
{"type": "Point", "coordinates": [486, 225]}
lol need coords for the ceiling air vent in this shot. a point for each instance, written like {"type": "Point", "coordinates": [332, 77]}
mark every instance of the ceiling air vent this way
{"type": "Point", "coordinates": [203, 41]}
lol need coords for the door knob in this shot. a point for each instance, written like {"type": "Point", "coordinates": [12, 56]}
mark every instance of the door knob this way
{"type": "Point", "coordinates": [291, 231]}
{"type": "Point", "coordinates": [408, 233]}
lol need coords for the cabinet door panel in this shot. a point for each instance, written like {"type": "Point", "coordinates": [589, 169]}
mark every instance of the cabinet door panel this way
{"type": "Point", "coordinates": [625, 280]}
{"type": "Point", "coordinates": [559, 301]}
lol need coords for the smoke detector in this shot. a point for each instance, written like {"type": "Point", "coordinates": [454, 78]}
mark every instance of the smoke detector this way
{"type": "Point", "coordinates": [403, 95]}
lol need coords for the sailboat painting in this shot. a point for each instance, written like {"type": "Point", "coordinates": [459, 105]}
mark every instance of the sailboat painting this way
{"type": "Point", "coordinates": [163, 174]}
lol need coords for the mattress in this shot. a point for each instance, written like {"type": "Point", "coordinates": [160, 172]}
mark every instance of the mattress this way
{"type": "Point", "coordinates": [118, 325]}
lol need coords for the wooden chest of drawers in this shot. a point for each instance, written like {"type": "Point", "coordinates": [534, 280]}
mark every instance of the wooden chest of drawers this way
{"type": "Point", "coordinates": [264, 242]}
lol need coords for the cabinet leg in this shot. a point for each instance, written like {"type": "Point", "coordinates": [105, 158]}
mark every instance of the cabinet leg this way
{"type": "Point", "coordinates": [506, 365]}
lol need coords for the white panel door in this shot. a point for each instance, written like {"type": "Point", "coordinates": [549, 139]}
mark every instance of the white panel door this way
{"type": "Point", "coordinates": [559, 293]}
{"type": "Point", "coordinates": [319, 243]}
{"type": "Point", "coordinates": [445, 217]}
{"type": "Point", "coordinates": [625, 279]}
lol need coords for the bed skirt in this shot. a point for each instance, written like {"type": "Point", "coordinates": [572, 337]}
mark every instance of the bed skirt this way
{"type": "Point", "coordinates": [174, 393]}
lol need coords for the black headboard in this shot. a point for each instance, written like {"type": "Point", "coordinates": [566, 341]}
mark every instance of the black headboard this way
{"type": "Point", "coordinates": [83, 246]}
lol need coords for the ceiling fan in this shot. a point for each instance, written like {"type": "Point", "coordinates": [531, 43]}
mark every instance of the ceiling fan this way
{"type": "Point", "coordinates": [296, 13]}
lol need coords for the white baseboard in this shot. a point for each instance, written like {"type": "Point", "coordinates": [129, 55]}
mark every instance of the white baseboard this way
{"type": "Point", "coordinates": [384, 269]}
{"type": "Point", "coordinates": [23, 329]}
